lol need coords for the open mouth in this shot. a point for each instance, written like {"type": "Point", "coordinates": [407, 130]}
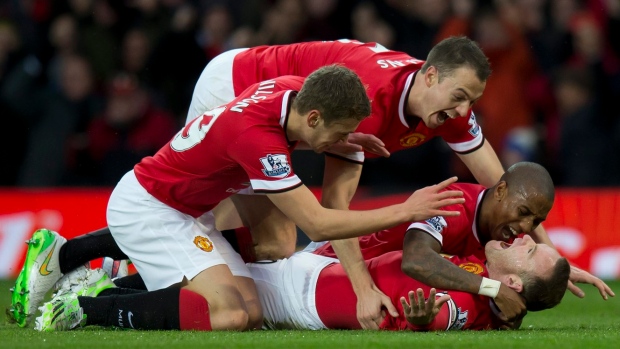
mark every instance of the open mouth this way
{"type": "Point", "coordinates": [504, 245]}
{"type": "Point", "coordinates": [509, 232]}
{"type": "Point", "coordinates": [442, 116]}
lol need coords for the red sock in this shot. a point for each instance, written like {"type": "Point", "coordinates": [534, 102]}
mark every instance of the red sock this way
{"type": "Point", "coordinates": [193, 312]}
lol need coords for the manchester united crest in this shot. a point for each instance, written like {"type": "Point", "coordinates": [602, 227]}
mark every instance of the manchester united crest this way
{"type": "Point", "coordinates": [473, 268]}
{"type": "Point", "coordinates": [412, 140]}
{"type": "Point", "coordinates": [203, 243]}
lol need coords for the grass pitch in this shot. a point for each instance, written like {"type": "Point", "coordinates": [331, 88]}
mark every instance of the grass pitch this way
{"type": "Point", "coordinates": [576, 323]}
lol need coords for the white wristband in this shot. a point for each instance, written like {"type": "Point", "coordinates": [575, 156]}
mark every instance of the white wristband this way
{"type": "Point", "coordinates": [489, 287]}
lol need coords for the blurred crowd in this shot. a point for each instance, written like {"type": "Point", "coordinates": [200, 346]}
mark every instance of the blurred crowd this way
{"type": "Point", "coordinates": [89, 87]}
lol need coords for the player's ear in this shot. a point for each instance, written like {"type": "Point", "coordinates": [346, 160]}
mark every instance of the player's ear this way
{"type": "Point", "coordinates": [501, 191]}
{"type": "Point", "coordinates": [314, 116]}
{"type": "Point", "coordinates": [515, 282]}
{"type": "Point", "coordinates": [431, 76]}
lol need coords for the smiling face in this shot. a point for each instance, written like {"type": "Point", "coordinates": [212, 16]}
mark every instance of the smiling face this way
{"type": "Point", "coordinates": [514, 210]}
{"type": "Point", "coordinates": [447, 98]}
{"type": "Point", "coordinates": [522, 257]}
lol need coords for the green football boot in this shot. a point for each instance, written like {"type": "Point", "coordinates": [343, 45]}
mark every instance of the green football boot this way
{"type": "Point", "coordinates": [40, 272]}
{"type": "Point", "coordinates": [62, 313]}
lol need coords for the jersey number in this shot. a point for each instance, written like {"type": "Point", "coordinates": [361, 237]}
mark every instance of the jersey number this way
{"type": "Point", "coordinates": [194, 132]}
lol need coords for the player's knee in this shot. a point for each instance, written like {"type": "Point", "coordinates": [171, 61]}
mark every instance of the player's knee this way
{"type": "Point", "coordinates": [277, 244]}
{"type": "Point", "coordinates": [255, 317]}
{"type": "Point", "coordinates": [274, 250]}
{"type": "Point", "coordinates": [230, 320]}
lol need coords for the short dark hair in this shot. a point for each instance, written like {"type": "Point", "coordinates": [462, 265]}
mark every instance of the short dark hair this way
{"type": "Point", "coordinates": [541, 294]}
{"type": "Point", "coordinates": [335, 91]}
{"type": "Point", "coordinates": [530, 177]}
{"type": "Point", "coordinates": [456, 52]}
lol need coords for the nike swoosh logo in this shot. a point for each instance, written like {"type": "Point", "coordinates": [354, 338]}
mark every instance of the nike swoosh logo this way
{"type": "Point", "coordinates": [43, 270]}
{"type": "Point", "coordinates": [129, 316]}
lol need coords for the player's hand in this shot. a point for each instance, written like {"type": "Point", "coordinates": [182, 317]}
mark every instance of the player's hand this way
{"type": "Point", "coordinates": [581, 276]}
{"type": "Point", "coordinates": [426, 202]}
{"type": "Point", "coordinates": [419, 311]}
{"type": "Point", "coordinates": [369, 305]}
{"type": "Point", "coordinates": [513, 325]}
{"type": "Point", "coordinates": [369, 143]}
{"type": "Point", "coordinates": [511, 304]}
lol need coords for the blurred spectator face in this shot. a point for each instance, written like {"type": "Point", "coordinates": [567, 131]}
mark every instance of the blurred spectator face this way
{"type": "Point", "coordinates": [490, 32]}
{"type": "Point", "coordinates": [9, 41]}
{"type": "Point", "coordinates": [81, 8]}
{"type": "Point", "coordinates": [76, 78]}
{"type": "Point", "coordinates": [572, 90]}
{"type": "Point", "coordinates": [104, 14]}
{"type": "Point", "coordinates": [562, 11]}
{"type": "Point", "coordinates": [281, 23]}
{"type": "Point", "coordinates": [63, 33]}
{"type": "Point", "coordinates": [183, 19]}
{"type": "Point", "coordinates": [320, 9]}
{"type": "Point", "coordinates": [145, 6]}
{"type": "Point", "coordinates": [431, 12]}
{"type": "Point", "coordinates": [529, 15]}
{"type": "Point", "coordinates": [136, 49]}
{"type": "Point", "coordinates": [368, 27]}
{"type": "Point", "coordinates": [126, 101]}
{"type": "Point", "coordinates": [588, 38]}
{"type": "Point", "coordinates": [217, 23]}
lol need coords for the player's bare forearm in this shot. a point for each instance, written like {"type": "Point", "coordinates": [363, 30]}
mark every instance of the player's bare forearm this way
{"type": "Point", "coordinates": [435, 271]}
{"type": "Point", "coordinates": [340, 180]}
{"type": "Point", "coordinates": [320, 224]}
{"type": "Point", "coordinates": [484, 165]}
{"type": "Point", "coordinates": [350, 256]}
{"type": "Point", "coordinates": [540, 236]}
{"type": "Point", "coordinates": [422, 261]}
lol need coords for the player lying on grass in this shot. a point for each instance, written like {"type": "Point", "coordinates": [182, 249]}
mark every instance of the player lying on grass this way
{"type": "Point", "coordinates": [516, 204]}
{"type": "Point", "coordinates": [159, 213]}
{"type": "Point", "coordinates": [309, 291]}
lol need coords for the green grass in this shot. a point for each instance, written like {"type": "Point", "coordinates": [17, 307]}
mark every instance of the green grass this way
{"type": "Point", "coordinates": [576, 323]}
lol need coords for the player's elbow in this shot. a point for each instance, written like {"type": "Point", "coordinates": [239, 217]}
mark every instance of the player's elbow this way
{"type": "Point", "coordinates": [413, 268]}
{"type": "Point", "coordinates": [319, 230]}
{"type": "Point", "coordinates": [316, 234]}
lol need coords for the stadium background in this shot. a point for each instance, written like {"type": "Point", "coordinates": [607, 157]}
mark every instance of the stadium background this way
{"type": "Point", "coordinates": [77, 78]}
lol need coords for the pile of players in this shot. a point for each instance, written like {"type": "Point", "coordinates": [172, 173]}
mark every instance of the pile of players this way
{"type": "Point", "coordinates": [230, 167]}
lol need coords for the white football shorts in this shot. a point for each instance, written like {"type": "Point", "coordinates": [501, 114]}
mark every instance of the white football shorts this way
{"type": "Point", "coordinates": [215, 85]}
{"type": "Point", "coordinates": [164, 244]}
{"type": "Point", "coordinates": [287, 289]}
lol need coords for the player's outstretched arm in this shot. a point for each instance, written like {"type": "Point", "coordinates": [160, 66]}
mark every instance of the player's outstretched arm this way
{"type": "Point", "coordinates": [484, 165]}
{"type": "Point", "coordinates": [339, 184]}
{"type": "Point", "coordinates": [581, 276]}
{"type": "Point", "coordinates": [320, 223]}
{"type": "Point", "coordinates": [370, 299]}
{"type": "Point", "coordinates": [576, 275]}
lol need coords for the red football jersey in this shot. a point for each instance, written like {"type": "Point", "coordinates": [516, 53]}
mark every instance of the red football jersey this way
{"type": "Point", "coordinates": [457, 235]}
{"type": "Point", "coordinates": [387, 74]}
{"type": "Point", "coordinates": [463, 311]}
{"type": "Point", "coordinates": [227, 150]}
